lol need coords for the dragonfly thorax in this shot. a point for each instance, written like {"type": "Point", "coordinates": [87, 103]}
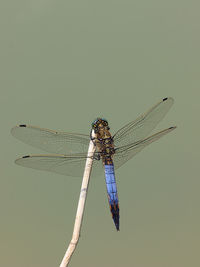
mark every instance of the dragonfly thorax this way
{"type": "Point", "coordinates": [103, 140]}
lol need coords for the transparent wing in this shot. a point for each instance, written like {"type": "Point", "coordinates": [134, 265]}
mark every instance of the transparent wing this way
{"type": "Point", "coordinates": [71, 165]}
{"type": "Point", "coordinates": [123, 154]}
{"type": "Point", "coordinates": [51, 141]}
{"type": "Point", "coordinates": [142, 126]}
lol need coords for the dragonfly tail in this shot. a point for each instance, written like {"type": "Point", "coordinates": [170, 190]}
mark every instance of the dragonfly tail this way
{"type": "Point", "coordinates": [112, 193]}
{"type": "Point", "coordinates": [114, 208]}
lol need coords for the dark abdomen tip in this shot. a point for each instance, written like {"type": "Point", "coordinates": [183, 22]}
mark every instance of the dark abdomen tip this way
{"type": "Point", "coordinates": [115, 214]}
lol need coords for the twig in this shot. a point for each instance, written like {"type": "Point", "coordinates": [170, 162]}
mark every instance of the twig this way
{"type": "Point", "coordinates": [81, 205]}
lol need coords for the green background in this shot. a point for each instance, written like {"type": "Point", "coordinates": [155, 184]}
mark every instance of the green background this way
{"type": "Point", "coordinates": [62, 64]}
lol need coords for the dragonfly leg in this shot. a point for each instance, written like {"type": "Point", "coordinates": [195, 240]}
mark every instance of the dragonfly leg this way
{"type": "Point", "coordinates": [97, 157]}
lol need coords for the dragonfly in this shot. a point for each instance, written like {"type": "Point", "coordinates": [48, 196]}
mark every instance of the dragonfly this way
{"type": "Point", "coordinates": [68, 151]}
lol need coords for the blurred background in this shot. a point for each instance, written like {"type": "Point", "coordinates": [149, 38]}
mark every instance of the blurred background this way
{"type": "Point", "coordinates": [62, 64]}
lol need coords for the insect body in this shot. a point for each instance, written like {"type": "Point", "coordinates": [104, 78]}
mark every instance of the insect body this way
{"type": "Point", "coordinates": [105, 147]}
{"type": "Point", "coordinates": [70, 149]}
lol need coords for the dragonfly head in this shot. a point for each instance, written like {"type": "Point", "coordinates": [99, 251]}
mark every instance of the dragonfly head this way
{"type": "Point", "coordinates": [100, 123]}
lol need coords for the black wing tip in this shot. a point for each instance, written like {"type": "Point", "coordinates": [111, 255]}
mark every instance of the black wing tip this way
{"type": "Point", "coordinates": [24, 157]}
{"type": "Point", "coordinates": [173, 127]}
{"type": "Point", "coordinates": [170, 99]}
{"type": "Point", "coordinates": [22, 125]}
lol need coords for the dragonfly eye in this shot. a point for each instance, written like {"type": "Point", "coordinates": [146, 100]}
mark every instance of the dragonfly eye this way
{"type": "Point", "coordinates": [105, 122]}
{"type": "Point", "coordinates": [100, 123]}
{"type": "Point", "coordinates": [95, 123]}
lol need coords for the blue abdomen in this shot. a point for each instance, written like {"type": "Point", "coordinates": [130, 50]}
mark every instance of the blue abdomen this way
{"type": "Point", "coordinates": [112, 193]}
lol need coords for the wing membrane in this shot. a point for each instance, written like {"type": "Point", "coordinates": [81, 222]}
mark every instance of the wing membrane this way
{"type": "Point", "coordinates": [142, 126]}
{"type": "Point", "coordinates": [123, 154]}
{"type": "Point", "coordinates": [51, 141]}
{"type": "Point", "coordinates": [71, 165]}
